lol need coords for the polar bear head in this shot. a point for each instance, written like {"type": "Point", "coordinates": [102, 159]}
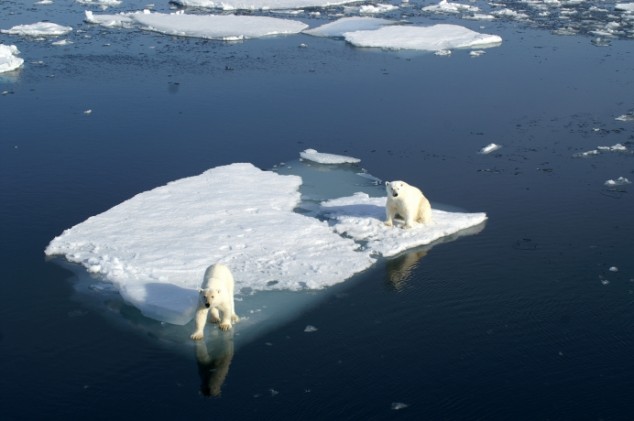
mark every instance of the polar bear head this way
{"type": "Point", "coordinates": [394, 188]}
{"type": "Point", "coordinates": [210, 297]}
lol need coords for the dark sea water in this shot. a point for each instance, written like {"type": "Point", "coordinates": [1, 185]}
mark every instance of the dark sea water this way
{"type": "Point", "coordinates": [530, 319]}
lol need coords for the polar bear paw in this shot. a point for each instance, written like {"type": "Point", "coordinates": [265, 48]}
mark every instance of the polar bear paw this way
{"type": "Point", "coordinates": [224, 326]}
{"type": "Point", "coordinates": [197, 336]}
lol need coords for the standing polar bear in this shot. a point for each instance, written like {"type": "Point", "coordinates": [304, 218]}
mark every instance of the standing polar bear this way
{"type": "Point", "coordinates": [216, 294]}
{"type": "Point", "coordinates": [406, 201]}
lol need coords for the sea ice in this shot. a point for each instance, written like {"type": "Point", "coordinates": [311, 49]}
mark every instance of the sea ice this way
{"type": "Point", "coordinates": [104, 4]}
{"type": "Point", "coordinates": [223, 27]}
{"type": "Point", "coordinates": [425, 38]}
{"type": "Point", "coordinates": [155, 247]}
{"type": "Point", "coordinates": [621, 181]}
{"type": "Point", "coordinates": [491, 147]}
{"type": "Point", "coordinates": [349, 24]}
{"type": "Point", "coordinates": [9, 59]}
{"type": "Point", "coordinates": [448, 7]}
{"type": "Point", "coordinates": [327, 158]}
{"type": "Point", "coordinates": [260, 4]}
{"type": "Point", "coordinates": [626, 7]}
{"type": "Point", "coordinates": [39, 29]}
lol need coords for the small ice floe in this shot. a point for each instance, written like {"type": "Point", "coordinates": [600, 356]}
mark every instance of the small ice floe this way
{"type": "Point", "coordinates": [621, 181]}
{"type": "Point", "coordinates": [61, 42]}
{"type": "Point", "coordinates": [422, 38]}
{"type": "Point", "coordinates": [349, 24]}
{"type": "Point", "coordinates": [399, 405]}
{"type": "Point", "coordinates": [626, 117]}
{"type": "Point", "coordinates": [44, 2]}
{"type": "Point", "coordinates": [310, 329]}
{"type": "Point", "coordinates": [104, 4]}
{"type": "Point", "coordinates": [510, 14]}
{"type": "Point", "coordinates": [491, 147]}
{"type": "Point", "coordinates": [614, 148]}
{"type": "Point", "coordinates": [449, 7]}
{"type": "Point", "coordinates": [39, 29]}
{"type": "Point", "coordinates": [88, 112]}
{"type": "Point", "coordinates": [370, 9]}
{"type": "Point", "coordinates": [613, 269]}
{"type": "Point", "coordinates": [443, 53]}
{"type": "Point", "coordinates": [327, 158]}
{"type": "Point", "coordinates": [476, 53]}
{"type": "Point", "coordinates": [9, 59]}
{"type": "Point", "coordinates": [624, 7]}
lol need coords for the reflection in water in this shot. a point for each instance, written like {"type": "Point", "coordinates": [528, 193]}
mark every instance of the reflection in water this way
{"type": "Point", "coordinates": [399, 269]}
{"type": "Point", "coordinates": [213, 366]}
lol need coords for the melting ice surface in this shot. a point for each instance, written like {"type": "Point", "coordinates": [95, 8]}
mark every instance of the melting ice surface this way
{"type": "Point", "coordinates": [260, 4]}
{"type": "Point", "coordinates": [288, 236]}
{"type": "Point", "coordinates": [39, 29]}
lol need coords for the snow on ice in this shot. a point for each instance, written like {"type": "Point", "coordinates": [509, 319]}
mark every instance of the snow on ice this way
{"type": "Point", "coordinates": [349, 24]}
{"type": "Point", "coordinates": [155, 247]}
{"type": "Point", "coordinates": [9, 59]}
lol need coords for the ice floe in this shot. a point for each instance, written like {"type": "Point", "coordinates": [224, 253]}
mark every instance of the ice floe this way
{"type": "Point", "coordinates": [260, 4]}
{"type": "Point", "coordinates": [603, 149]}
{"type": "Point", "coordinates": [9, 59]}
{"type": "Point", "coordinates": [348, 24]}
{"type": "Point", "coordinates": [327, 158]}
{"type": "Point", "coordinates": [104, 4]}
{"type": "Point", "coordinates": [39, 29]}
{"type": "Point", "coordinates": [621, 181]}
{"type": "Point", "coordinates": [155, 247]}
{"type": "Point", "coordinates": [424, 38]}
{"type": "Point", "coordinates": [491, 147]}
{"type": "Point", "coordinates": [449, 7]}
{"type": "Point", "coordinates": [626, 7]}
{"type": "Point", "coordinates": [221, 27]}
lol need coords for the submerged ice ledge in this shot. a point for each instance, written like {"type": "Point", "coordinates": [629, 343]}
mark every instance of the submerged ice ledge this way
{"type": "Point", "coordinates": [155, 247]}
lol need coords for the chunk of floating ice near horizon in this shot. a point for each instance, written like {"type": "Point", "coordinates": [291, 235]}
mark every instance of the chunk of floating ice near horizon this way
{"type": "Point", "coordinates": [423, 38]}
{"type": "Point", "coordinates": [327, 158]}
{"type": "Point", "coordinates": [613, 269]}
{"type": "Point", "coordinates": [310, 329]}
{"type": "Point", "coordinates": [621, 181]}
{"type": "Point", "coordinates": [260, 4]}
{"type": "Point", "coordinates": [39, 29]}
{"type": "Point", "coordinates": [491, 147]}
{"type": "Point", "coordinates": [399, 405]}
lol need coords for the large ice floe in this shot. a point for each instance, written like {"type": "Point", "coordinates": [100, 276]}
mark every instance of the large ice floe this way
{"type": "Point", "coordinates": [39, 29]}
{"type": "Point", "coordinates": [9, 59]}
{"type": "Point", "coordinates": [425, 38]}
{"type": "Point", "coordinates": [260, 4]}
{"type": "Point", "coordinates": [288, 235]}
{"type": "Point", "coordinates": [221, 27]}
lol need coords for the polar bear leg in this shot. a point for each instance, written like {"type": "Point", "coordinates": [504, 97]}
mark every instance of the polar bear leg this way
{"type": "Point", "coordinates": [201, 320]}
{"type": "Point", "coordinates": [389, 214]}
{"type": "Point", "coordinates": [215, 315]}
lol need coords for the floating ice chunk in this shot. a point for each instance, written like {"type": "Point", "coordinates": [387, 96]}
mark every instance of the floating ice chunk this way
{"type": "Point", "coordinates": [9, 59]}
{"type": "Point", "coordinates": [613, 269]}
{"type": "Point", "coordinates": [371, 9]}
{"type": "Point", "coordinates": [399, 405]}
{"type": "Point", "coordinates": [491, 147]}
{"type": "Point", "coordinates": [477, 53]}
{"type": "Point", "coordinates": [448, 7]}
{"type": "Point", "coordinates": [62, 42]}
{"type": "Point", "coordinates": [614, 148]}
{"type": "Point", "coordinates": [621, 181]}
{"type": "Point", "coordinates": [510, 14]}
{"type": "Point", "coordinates": [349, 24]}
{"type": "Point", "coordinates": [428, 38]}
{"type": "Point", "coordinates": [156, 246]}
{"type": "Point", "coordinates": [260, 4]}
{"type": "Point", "coordinates": [625, 7]}
{"type": "Point", "coordinates": [104, 4]}
{"type": "Point", "coordinates": [443, 52]}
{"type": "Point", "coordinates": [327, 158]}
{"type": "Point", "coordinates": [310, 329]}
{"type": "Point", "coordinates": [224, 27]}
{"type": "Point", "coordinates": [44, 2]}
{"type": "Point", "coordinates": [360, 217]}
{"type": "Point", "coordinates": [124, 20]}
{"type": "Point", "coordinates": [625, 117]}
{"type": "Point", "coordinates": [39, 29]}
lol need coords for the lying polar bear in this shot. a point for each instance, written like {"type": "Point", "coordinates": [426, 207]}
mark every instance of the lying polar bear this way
{"type": "Point", "coordinates": [216, 294]}
{"type": "Point", "coordinates": [408, 202]}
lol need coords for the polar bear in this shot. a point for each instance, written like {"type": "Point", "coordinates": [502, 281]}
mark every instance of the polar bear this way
{"type": "Point", "coordinates": [216, 294]}
{"type": "Point", "coordinates": [406, 201]}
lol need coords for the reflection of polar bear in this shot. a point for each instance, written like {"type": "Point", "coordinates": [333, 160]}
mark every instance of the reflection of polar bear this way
{"type": "Point", "coordinates": [216, 294]}
{"type": "Point", "coordinates": [408, 202]}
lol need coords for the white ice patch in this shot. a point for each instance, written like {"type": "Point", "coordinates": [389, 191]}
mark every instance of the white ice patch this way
{"type": "Point", "coordinates": [260, 4]}
{"type": "Point", "coordinates": [155, 246]}
{"type": "Point", "coordinates": [371, 9]}
{"type": "Point", "coordinates": [104, 4]}
{"type": "Point", "coordinates": [621, 181]}
{"type": "Point", "coordinates": [327, 158]}
{"type": "Point", "coordinates": [626, 7]}
{"type": "Point", "coordinates": [9, 59]}
{"type": "Point", "coordinates": [39, 29]}
{"type": "Point", "coordinates": [221, 27]}
{"type": "Point", "coordinates": [429, 38]}
{"type": "Point", "coordinates": [448, 7]}
{"type": "Point", "coordinates": [350, 24]}
{"type": "Point", "coordinates": [361, 218]}
{"type": "Point", "coordinates": [491, 147]}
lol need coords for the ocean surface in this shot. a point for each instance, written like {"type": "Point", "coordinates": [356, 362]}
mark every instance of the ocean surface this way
{"type": "Point", "coordinates": [532, 318]}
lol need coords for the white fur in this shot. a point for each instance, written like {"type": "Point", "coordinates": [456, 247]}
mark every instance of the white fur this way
{"type": "Point", "coordinates": [216, 294]}
{"type": "Point", "coordinates": [408, 202]}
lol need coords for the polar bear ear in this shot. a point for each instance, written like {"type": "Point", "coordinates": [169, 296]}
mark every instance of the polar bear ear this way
{"type": "Point", "coordinates": [387, 183]}
{"type": "Point", "coordinates": [201, 289]}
